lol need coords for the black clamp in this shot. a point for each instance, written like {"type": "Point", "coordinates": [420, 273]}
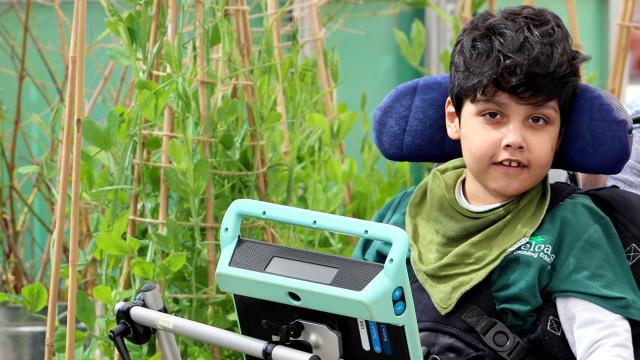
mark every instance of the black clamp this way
{"type": "Point", "coordinates": [495, 334]}
{"type": "Point", "coordinates": [284, 332]}
{"type": "Point", "coordinates": [129, 329]}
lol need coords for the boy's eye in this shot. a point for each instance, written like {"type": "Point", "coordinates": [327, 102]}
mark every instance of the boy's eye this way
{"type": "Point", "coordinates": [537, 120]}
{"type": "Point", "coordinates": [491, 115]}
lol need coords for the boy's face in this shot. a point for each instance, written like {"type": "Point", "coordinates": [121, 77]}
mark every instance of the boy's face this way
{"type": "Point", "coordinates": [508, 147]}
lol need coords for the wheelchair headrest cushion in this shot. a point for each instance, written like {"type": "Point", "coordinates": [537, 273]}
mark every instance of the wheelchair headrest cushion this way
{"type": "Point", "coordinates": [409, 125]}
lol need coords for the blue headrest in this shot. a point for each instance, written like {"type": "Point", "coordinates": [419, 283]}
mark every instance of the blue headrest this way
{"type": "Point", "coordinates": [409, 125]}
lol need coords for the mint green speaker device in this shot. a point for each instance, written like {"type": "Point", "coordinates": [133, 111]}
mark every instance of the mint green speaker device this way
{"type": "Point", "coordinates": [336, 307]}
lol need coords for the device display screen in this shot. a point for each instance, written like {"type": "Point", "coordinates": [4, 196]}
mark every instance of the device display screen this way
{"type": "Point", "coordinates": [301, 270]}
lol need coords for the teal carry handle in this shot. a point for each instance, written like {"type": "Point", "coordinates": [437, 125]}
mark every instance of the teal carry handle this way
{"type": "Point", "coordinates": [374, 302]}
{"type": "Point", "coordinates": [319, 221]}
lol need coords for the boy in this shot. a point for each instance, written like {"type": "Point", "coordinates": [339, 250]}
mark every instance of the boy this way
{"type": "Point", "coordinates": [483, 216]}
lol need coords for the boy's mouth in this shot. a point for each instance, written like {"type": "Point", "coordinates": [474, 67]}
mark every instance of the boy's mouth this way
{"type": "Point", "coordinates": [511, 163]}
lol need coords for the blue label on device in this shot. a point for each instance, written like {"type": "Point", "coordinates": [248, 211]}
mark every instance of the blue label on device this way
{"type": "Point", "coordinates": [386, 339]}
{"type": "Point", "coordinates": [375, 337]}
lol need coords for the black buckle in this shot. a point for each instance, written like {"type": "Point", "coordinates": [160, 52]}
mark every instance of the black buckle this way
{"type": "Point", "coordinates": [495, 334]}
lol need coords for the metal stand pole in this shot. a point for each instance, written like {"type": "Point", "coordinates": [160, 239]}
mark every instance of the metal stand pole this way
{"type": "Point", "coordinates": [209, 334]}
{"type": "Point", "coordinates": [153, 300]}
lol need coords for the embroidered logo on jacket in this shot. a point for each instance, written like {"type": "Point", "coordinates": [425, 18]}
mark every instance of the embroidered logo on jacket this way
{"type": "Point", "coordinates": [535, 247]}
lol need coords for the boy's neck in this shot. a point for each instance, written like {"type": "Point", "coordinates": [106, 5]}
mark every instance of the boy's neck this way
{"type": "Point", "coordinates": [462, 200]}
{"type": "Point", "coordinates": [479, 198]}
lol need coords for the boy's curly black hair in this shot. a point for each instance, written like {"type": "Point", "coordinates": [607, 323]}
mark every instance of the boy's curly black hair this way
{"type": "Point", "coordinates": [523, 51]}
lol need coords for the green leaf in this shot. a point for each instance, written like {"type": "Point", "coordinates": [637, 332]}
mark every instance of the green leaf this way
{"type": "Point", "coordinates": [60, 339]}
{"type": "Point", "coordinates": [11, 299]}
{"type": "Point", "coordinates": [417, 41]}
{"type": "Point", "coordinates": [272, 119]}
{"type": "Point", "coordinates": [170, 56]}
{"type": "Point", "coordinates": [165, 242]}
{"type": "Point", "coordinates": [142, 268]}
{"type": "Point", "coordinates": [349, 170]}
{"type": "Point", "coordinates": [333, 171]}
{"type": "Point", "coordinates": [227, 141]}
{"type": "Point", "coordinates": [150, 98]}
{"type": "Point", "coordinates": [172, 263]}
{"type": "Point", "coordinates": [35, 296]}
{"type": "Point", "coordinates": [403, 44]}
{"type": "Point", "coordinates": [176, 182]}
{"type": "Point", "coordinates": [28, 169]}
{"type": "Point", "coordinates": [176, 152]}
{"type": "Point", "coordinates": [445, 60]}
{"type": "Point", "coordinates": [200, 175]}
{"type": "Point", "coordinates": [119, 55]}
{"type": "Point", "coordinates": [86, 309]}
{"type": "Point", "coordinates": [111, 125]}
{"type": "Point", "coordinates": [214, 36]}
{"type": "Point", "coordinates": [345, 124]}
{"type": "Point", "coordinates": [103, 294]}
{"type": "Point", "coordinates": [95, 136]}
{"type": "Point", "coordinates": [415, 3]}
{"type": "Point", "coordinates": [114, 245]}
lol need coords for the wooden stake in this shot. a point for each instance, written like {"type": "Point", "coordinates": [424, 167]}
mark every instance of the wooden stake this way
{"type": "Point", "coordinates": [573, 25]}
{"type": "Point", "coordinates": [167, 127]}
{"type": "Point", "coordinates": [326, 84]}
{"type": "Point", "coordinates": [206, 149]}
{"type": "Point", "coordinates": [528, 2]}
{"type": "Point", "coordinates": [135, 196]}
{"type": "Point", "coordinates": [75, 184]}
{"type": "Point", "coordinates": [621, 48]}
{"type": "Point", "coordinates": [273, 17]}
{"type": "Point", "coordinates": [467, 13]}
{"type": "Point", "coordinates": [244, 44]}
{"type": "Point", "coordinates": [63, 177]}
{"type": "Point", "coordinates": [63, 45]}
{"type": "Point", "coordinates": [491, 5]}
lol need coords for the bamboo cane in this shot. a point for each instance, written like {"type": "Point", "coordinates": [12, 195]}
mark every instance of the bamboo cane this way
{"type": "Point", "coordinates": [273, 17]}
{"type": "Point", "coordinates": [168, 122]}
{"type": "Point", "coordinates": [61, 205]}
{"type": "Point", "coordinates": [573, 29]}
{"type": "Point", "coordinates": [244, 44]}
{"type": "Point", "coordinates": [135, 196]}
{"type": "Point", "coordinates": [528, 2]}
{"type": "Point", "coordinates": [573, 25]}
{"type": "Point", "coordinates": [63, 45]}
{"type": "Point", "coordinates": [491, 5]}
{"type": "Point", "coordinates": [206, 149]}
{"type": "Point", "coordinates": [75, 184]}
{"type": "Point", "coordinates": [14, 234]}
{"type": "Point", "coordinates": [620, 52]}
{"type": "Point", "coordinates": [105, 78]}
{"type": "Point", "coordinates": [467, 13]}
{"type": "Point", "coordinates": [325, 79]}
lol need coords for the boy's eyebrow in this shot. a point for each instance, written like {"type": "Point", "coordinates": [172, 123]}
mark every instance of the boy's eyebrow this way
{"type": "Point", "coordinates": [550, 107]}
{"type": "Point", "coordinates": [497, 102]}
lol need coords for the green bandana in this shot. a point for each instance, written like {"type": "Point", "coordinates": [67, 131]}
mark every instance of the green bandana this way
{"type": "Point", "coordinates": [452, 248]}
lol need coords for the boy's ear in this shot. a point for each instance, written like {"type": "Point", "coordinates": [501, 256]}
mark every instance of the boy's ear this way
{"type": "Point", "coordinates": [452, 120]}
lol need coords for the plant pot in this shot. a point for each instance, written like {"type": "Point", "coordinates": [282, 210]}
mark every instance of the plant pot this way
{"type": "Point", "coordinates": [21, 334]}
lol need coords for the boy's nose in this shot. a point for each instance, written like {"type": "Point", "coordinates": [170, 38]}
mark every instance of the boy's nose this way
{"type": "Point", "coordinates": [513, 137]}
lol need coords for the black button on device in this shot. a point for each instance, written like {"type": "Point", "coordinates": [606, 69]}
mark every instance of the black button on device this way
{"type": "Point", "coordinates": [500, 338]}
